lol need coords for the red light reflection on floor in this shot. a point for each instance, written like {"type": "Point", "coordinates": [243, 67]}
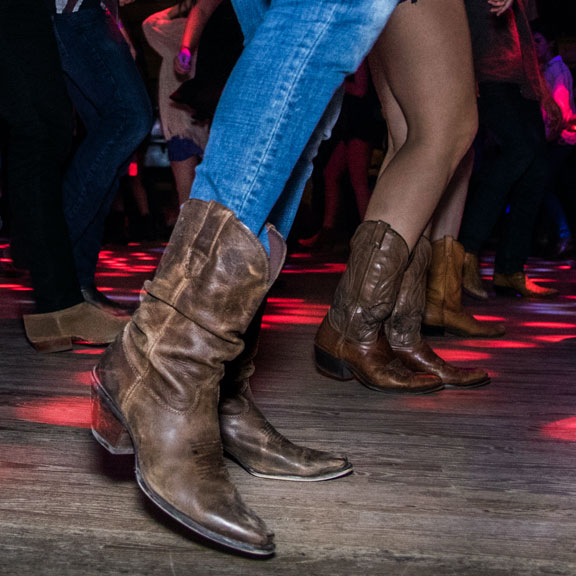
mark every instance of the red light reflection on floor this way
{"type": "Point", "coordinates": [459, 355]}
{"type": "Point", "coordinates": [552, 325]}
{"type": "Point", "coordinates": [328, 268]}
{"type": "Point", "coordinates": [63, 411]}
{"type": "Point", "coordinates": [15, 287]}
{"type": "Point", "coordinates": [553, 338]}
{"type": "Point", "coordinates": [293, 311]}
{"type": "Point", "coordinates": [561, 430]}
{"type": "Point", "coordinates": [483, 318]}
{"type": "Point", "coordinates": [497, 343]}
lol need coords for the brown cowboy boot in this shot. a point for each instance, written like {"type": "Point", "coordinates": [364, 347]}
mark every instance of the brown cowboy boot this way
{"type": "Point", "coordinates": [351, 342]}
{"type": "Point", "coordinates": [403, 327]}
{"type": "Point", "coordinates": [252, 441]}
{"type": "Point", "coordinates": [444, 311]}
{"type": "Point", "coordinates": [471, 280]}
{"type": "Point", "coordinates": [160, 380]}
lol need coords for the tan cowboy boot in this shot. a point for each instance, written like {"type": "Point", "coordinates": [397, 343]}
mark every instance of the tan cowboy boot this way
{"type": "Point", "coordinates": [159, 382]}
{"type": "Point", "coordinates": [471, 280]}
{"type": "Point", "coordinates": [252, 441]}
{"type": "Point", "coordinates": [403, 327]}
{"type": "Point", "coordinates": [518, 284]}
{"type": "Point", "coordinates": [351, 342]}
{"type": "Point", "coordinates": [444, 311]}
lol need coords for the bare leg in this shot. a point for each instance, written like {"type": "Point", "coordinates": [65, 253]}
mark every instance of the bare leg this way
{"type": "Point", "coordinates": [184, 172]}
{"type": "Point", "coordinates": [422, 70]}
{"type": "Point", "coordinates": [448, 215]}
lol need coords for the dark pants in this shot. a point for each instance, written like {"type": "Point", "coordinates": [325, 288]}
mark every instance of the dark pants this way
{"type": "Point", "coordinates": [110, 97]}
{"type": "Point", "coordinates": [36, 112]}
{"type": "Point", "coordinates": [514, 177]}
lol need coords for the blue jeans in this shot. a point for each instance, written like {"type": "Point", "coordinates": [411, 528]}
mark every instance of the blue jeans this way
{"type": "Point", "coordinates": [275, 109]}
{"type": "Point", "coordinates": [109, 95]}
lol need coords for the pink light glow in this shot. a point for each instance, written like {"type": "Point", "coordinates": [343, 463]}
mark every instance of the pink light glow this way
{"type": "Point", "coordinates": [553, 338]}
{"type": "Point", "coordinates": [497, 344]}
{"type": "Point", "coordinates": [561, 430]}
{"type": "Point", "coordinates": [551, 325]}
{"type": "Point", "coordinates": [459, 355]}
{"type": "Point", "coordinates": [333, 268]}
{"type": "Point", "coordinates": [16, 287]}
{"type": "Point", "coordinates": [64, 411]}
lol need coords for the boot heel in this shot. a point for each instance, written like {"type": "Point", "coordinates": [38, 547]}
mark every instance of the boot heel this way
{"type": "Point", "coordinates": [107, 429]}
{"type": "Point", "coordinates": [331, 366]}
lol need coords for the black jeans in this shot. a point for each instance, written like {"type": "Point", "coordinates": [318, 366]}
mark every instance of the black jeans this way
{"type": "Point", "coordinates": [514, 177]}
{"type": "Point", "coordinates": [37, 114]}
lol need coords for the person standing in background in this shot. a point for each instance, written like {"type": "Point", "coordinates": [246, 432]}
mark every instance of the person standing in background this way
{"type": "Point", "coordinates": [37, 115]}
{"type": "Point", "coordinates": [110, 97]}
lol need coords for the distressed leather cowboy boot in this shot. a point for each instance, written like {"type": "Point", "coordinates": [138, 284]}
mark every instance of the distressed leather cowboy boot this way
{"type": "Point", "coordinates": [351, 342]}
{"type": "Point", "coordinates": [403, 327]}
{"type": "Point", "coordinates": [156, 388]}
{"type": "Point", "coordinates": [444, 311]}
{"type": "Point", "coordinates": [252, 441]}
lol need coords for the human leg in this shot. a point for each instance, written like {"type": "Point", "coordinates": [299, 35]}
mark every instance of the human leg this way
{"type": "Point", "coordinates": [278, 135]}
{"type": "Point", "coordinates": [109, 95]}
{"type": "Point", "coordinates": [418, 71]}
{"type": "Point", "coordinates": [444, 311]}
{"type": "Point", "coordinates": [212, 278]}
{"type": "Point", "coordinates": [34, 104]}
{"type": "Point", "coordinates": [413, 58]}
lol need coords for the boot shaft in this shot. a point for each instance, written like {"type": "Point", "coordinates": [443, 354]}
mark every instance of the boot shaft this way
{"type": "Point", "coordinates": [403, 325]}
{"type": "Point", "coordinates": [211, 280]}
{"type": "Point", "coordinates": [367, 290]}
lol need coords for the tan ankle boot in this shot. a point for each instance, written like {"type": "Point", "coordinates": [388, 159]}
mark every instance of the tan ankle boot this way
{"type": "Point", "coordinates": [518, 284]}
{"type": "Point", "coordinates": [351, 342]}
{"type": "Point", "coordinates": [159, 382]}
{"type": "Point", "coordinates": [444, 310]}
{"type": "Point", "coordinates": [57, 331]}
{"type": "Point", "coordinates": [471, 280]}
{"type": "Point", "coordinates": [252, 441]}
{"type": "Point", "coordinates": [403, 327]}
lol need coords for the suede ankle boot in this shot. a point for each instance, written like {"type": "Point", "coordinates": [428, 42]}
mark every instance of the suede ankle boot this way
{"type": "Point", "coordinates": [518, 284]}
{"type": "Point", "coordinates": [57, 331]}
{"type": "Point", "coordinates": [403, 327]}
{"type": "Point", "coordinates": [444, 311]}
{"type": "Point", "coordinates": [351, 342]}
{"type": "Point", "coordinates": [252, 441]}
{"type": "Point", "coordinates": [156, 389]}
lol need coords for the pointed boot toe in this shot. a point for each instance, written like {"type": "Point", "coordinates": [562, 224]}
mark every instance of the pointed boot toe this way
{"type": "Point", "coordinates": [518, 284]}
{"type": "Point", "coordinates": [250, 440]}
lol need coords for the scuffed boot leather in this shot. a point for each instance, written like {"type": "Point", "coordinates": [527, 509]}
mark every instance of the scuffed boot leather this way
{"type": "Point", "coordinates": [252, 441]}
{"type": "Point", "coordinates": [444, 311]}
{"type": "Point", "coordinates": [351, 342]}
{"type": "Point", "coordinates": [160, 380]}
{"type": "Point", "coordinates": [403, 327]}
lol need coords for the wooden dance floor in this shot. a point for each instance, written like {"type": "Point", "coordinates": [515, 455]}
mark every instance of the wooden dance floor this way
{"type": "Point", "coordinates": [474, 483]}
